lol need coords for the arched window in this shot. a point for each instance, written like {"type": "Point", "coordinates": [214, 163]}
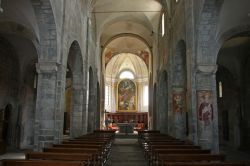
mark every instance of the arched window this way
{"type": "Point", "coordinates": [163, 24]}
{"type": "Point", "coordinates": [127, 75]}
{"type": "Point", "coordinates": [145, 96]}
{"type": "Point", "coordinates": [220, 89]}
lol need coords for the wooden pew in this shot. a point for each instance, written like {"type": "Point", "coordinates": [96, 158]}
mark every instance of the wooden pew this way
{"type": "Point", "coordinates": [100, 148]}
{"type": "Point", "coordinates": [87, 158]}
{"type": "Point", "coordinates": [103, 149]}
{"type": "Point", "coordinates": [88, 149]}
{"type": "Point", "coordinates": [84, 142]}
{"type": "Point", "coordinates": [166, 158]}
{"type": "Point", "coordinates": [151, 148]}
{"type": "Point", "coordinates": [205, 164]}
{"type": "Point", "coordinates": [93, 151]}
{"type": "Point", "coordinates": [22, 162]}
{"type": "Point", "coordinates": [165, 150]}
{"type": "Point", "coordinates": [78, 146]}
{"type": "Point", "coordinates": [153, 157]}
{"type": "Point", "coordinates": [97, 154]}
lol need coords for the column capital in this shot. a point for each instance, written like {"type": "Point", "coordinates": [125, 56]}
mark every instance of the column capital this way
{"type": "Point", "coordinates": [206, 68]}
{"type": "Point", "coordinates": [47, 67]}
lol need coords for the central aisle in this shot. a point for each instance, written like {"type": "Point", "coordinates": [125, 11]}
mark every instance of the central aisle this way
{"type": "Point", "coordinates": [126, 152]}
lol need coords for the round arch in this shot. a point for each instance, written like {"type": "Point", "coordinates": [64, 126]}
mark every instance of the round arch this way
{"type": "Point", "coordinates": [18, 51]}
{"type": "Point", "coordinates": [162, 104]}
{"type": "Point", "coordinates": [91, 102]}
{"type": "Point", "coordinates": [74, 91]}
{"type": "Point", "coordinates": [233, 80]}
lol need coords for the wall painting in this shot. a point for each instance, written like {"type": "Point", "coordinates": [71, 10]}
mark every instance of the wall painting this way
{"type": "Point", "coordinates": [126, 96]}
{"type": "Point", "coordinates": [205, 107]}
{"type": "Point", "coordinates": [178, 102]}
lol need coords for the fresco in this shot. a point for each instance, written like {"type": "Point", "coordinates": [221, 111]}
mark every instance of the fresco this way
{"type": "Point", "coordinates": [205, 107]}
{"type": "Point", "coordinates": [205, 117]}
{"type": "Point", "coordinates": [178, 102]}
{"type": "Point", "coordinates": [179, 112]}
{"type": "Point", "coordinates": [144, 55]}
{"type": "Point", "coordinates": [110, 53]}
{"type": "Point", "coordinates": [126, 95]}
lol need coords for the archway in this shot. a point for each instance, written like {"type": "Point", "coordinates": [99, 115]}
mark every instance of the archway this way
{"type": "Point", "coordinates": [232, 91]}
{"type": "Point", "coordinates": [6, 122]}
{"type": "Point", "coordinates": [67, 101]}
{"type": "Point", "coordinates": [98, 113]}
{"type": "Point", "coordinates": [74, 91]}
{"type": "Point", "coordinates": [91, 106]}
{"type": "Point", "coordinates": [154, 115]}
{"type": "Point", "coordinates": [18, 88]}
{"type": "Point", "coordinates": [125, 106]}
{"type": "Point", "coordinates": [162, 102]}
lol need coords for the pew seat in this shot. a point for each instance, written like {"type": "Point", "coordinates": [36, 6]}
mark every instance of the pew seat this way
{"type": "Point", "coordinates": [23, 162]}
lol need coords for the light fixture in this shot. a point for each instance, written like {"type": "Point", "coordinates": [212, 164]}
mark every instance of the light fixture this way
{"type": "Point", "coordinates": [1, 9]}
{"type": "Point", "coordinates": [162, 24]}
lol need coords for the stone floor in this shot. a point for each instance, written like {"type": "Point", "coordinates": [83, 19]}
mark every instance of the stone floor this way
{"type": "Point", "coordinates": [126, 152]}
{"type": "Point", "coordinates": [235, 155]}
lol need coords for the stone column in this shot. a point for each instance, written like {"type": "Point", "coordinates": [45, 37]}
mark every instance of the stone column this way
{"type": "Point", "coordinates": [85, 109]}
{"type": "Point", "coordinates": [77, 106]}
{"type": "Point", "coordinates": [207, 115]}
{"type": "Point", "coordinates": [48, 115]}
{"type": "Point", "coordinates": [92, 104]}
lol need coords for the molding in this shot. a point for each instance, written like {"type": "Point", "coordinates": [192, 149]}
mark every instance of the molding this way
{"type": "Point", "coordinates": [47, 67]}
{"type": "Point", "coordinates": [206, 68]}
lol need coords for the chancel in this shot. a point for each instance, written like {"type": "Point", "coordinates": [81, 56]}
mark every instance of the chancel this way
{"type": "Point", "coordinates": [104, 77]}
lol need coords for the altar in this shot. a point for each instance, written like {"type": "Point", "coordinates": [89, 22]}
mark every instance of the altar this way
{"type": "Point", "coordinates": [127, 122]}
{"type": "Point", "coordinates": [126, 127]}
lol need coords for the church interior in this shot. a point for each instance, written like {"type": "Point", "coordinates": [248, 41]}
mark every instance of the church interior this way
{"type": "Point", "coordinates": [73, 67]}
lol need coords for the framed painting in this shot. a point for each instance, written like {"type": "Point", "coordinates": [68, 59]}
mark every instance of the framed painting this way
{"type": "Point", "coordinates": [126, 96]}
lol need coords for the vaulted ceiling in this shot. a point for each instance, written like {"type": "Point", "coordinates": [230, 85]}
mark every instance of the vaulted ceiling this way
{"type": "Point", "coordinates": [126, 61]}
{"type": "Point", "coordinates": [126, 26]}
{"type": "Point", "coordinates": [115, 17]}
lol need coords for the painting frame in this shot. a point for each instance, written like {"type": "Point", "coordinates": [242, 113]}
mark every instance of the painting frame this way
{"type": "Point", "coordinates": [126, 98]}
